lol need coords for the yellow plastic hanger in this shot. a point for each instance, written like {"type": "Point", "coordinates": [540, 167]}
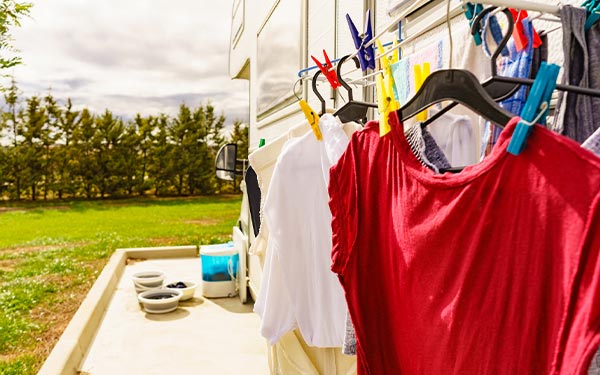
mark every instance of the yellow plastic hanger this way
{"type": "Point", "coordinates": [313, 119]}
{"type": "Point", "coordinates": [421, 73]}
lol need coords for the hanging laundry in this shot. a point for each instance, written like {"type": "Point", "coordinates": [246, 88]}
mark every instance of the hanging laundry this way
{"type": "Point", "coordinates": [349, 346]}
{"type": "Point", "coordinates": [425, 148]}
{"type": "Point", "coordinates": [492, 27]}
{"type": "Point", "coordinates": [402, 71]}
{"type": "Point", "coordinates": [577, 116]}
{"type": "Point", "coordinates": [291, 355]}
{"type": "Point", "coordinates": [263, 162]}
{"type": "Point", "coordinates": [456, 137]}
{"type": "Point", "coordinates": [254, 198]}
{"type": "Point", "coordinates": [297, 289]}
{"type": "Point", "coordinates": [516, 64]}
{"type": "Point", "coordinates": [593, 143]}
{"type": "Point", "coordinates": [440, 259]}
{"type": "Point", "coordinates": [540, 54]}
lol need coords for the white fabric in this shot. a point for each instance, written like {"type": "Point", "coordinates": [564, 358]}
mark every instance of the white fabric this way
{"type": "Point", "coordinates": [593, 142]}
{"type": "Point", "coordinates": [471, 57]}
{"type": "Point", "coordinates": [298, 288]}
{"type": "Point", "coordinates": [263, 162]}
{"type": "Point", "coordinates": [457, 138]}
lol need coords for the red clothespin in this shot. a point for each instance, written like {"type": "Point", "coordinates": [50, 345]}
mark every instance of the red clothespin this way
{"type": "Point", "coordinates": [519, 34]}
{"type": "Point", "coordinates": [327, 70]}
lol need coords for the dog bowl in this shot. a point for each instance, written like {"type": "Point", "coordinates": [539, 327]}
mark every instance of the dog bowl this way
{"type": "Point", "coordinates": [160, 301]}
{"type": "Point", "coordinates": [187, 287]}
{"type": "Point", "coordinates": [147, 280]}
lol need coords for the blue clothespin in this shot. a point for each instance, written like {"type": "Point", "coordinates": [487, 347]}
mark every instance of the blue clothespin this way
{"type": "Point", "coordinates": [593, 14]}
{"type": "Point", "coordinates": [366, 54]}
{"type": "Point", "coordinates": [539, 99]}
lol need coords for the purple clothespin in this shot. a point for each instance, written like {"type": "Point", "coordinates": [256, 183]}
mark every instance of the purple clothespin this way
{"type": "Point", "coordinates": [366, 54]}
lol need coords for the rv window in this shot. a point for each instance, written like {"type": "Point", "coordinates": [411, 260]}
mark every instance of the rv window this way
{"type": "Point", "coordinates": [279, 56]}
{"type": "Point", "coordinates": [237, 21]}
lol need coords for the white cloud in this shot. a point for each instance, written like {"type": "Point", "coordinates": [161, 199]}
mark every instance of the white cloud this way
{"type": "Point", "coordinates": [131, 55]}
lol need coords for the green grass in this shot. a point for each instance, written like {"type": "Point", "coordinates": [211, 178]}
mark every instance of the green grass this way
{"type": "Point", "coordinates": [50, 255]}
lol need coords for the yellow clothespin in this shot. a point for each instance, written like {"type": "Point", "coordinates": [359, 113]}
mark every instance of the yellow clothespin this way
{"type": "Point", "coordinates": [312, 117]}
{"type": "Point", "coordinates": [382, 103]}
{"type": "Point", "coordinates": [386, 102]}
{"type": "Point", "coordinates": [421, 73]}
{"type": "Point", "coordinates": [383, 60]}
{"type": "Point", "coordinates": [388, 77]}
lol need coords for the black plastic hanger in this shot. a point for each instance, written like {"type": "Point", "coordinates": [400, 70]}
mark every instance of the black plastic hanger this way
{"type": "Point", "coordinates": [460, 86]}
{"type": "Point", "coordinates": [529, 81]}
{"type": "Point", "coordinates": [352, 110]}
{"type": "Point", "coordinates": [498, 90]}
{"type": "Point", "coordinates": [314, 87]}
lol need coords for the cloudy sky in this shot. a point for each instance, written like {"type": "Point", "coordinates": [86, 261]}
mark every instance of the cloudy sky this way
{"type": "Point", "coordinates": [131, 55]}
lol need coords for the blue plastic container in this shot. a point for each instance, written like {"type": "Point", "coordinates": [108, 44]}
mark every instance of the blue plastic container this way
{"type": "Point", "coordinates": [219, 262]}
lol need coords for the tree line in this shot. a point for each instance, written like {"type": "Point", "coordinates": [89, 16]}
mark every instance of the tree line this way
{"type": "Point", "coordinates": [50, 151]}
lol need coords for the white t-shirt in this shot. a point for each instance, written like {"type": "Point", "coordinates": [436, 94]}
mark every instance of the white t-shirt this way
{"type": "Point", "coordinates": [298, 288]}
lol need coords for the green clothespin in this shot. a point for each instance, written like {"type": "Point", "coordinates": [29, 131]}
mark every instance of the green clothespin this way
{"type": "Point", "coordinates": [261, 142]}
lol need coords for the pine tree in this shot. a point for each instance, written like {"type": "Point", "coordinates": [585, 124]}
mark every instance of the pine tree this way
{"type": "Point", "coordinates": [11, 123]}
{"type": "Point", "coordinates": [109, 131]}
{"type": "Point", "coordinates": [239, 136]}
{"type": "Point", "coordinates": [127, 158]}
{"type": "Point", "coordinates": [145, 127]}
{"type": "Point", "coordinates": [84, 153]}
{"type": "Point", "coordinates": [65, 154]}
{"type": "Point", "coordinates": [209, 138]}
{"type": "Point", "coordinates": [162, 166]}
{"type": "Point", "coordinates": [33, 120]}
{"type": "Point", "coordinates": [180, 133]}
{"type": "Point", "coordinates": [48, 137]}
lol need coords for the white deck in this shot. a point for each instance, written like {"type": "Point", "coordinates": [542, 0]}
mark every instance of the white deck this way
{"type": "Point", "coordinates": [203, 336]}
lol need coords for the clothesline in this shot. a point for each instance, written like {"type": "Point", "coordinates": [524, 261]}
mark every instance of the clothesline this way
{"type": "Point", "coordinates": [527, 5]}
{"type": "Point", "coordinates": [400, 44]}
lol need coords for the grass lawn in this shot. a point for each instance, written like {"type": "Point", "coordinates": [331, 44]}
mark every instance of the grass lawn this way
{"type": "Point", "coordinates": [51, 254]}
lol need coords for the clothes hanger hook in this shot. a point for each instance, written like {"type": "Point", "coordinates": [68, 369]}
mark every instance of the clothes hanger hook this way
{"type": "Point", "coordinates": [339, 74]}
{"type": "Point", "coordinates": [511, 25]}
{"type": "Point", "coordinates": [316, 91]}
{"type": "Point", "coordinates": [294, 88]}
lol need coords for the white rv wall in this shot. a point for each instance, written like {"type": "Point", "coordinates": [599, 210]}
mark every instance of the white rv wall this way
{"type": "Point", "coordinates": [326, 28]}
{"type": "Point", "coordinates": [321, 36]}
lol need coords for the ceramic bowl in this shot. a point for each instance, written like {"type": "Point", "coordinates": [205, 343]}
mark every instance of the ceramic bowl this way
{"type": "Point", "coordinates": [147, 280]}
{"type": "Point", "coordinates": [160, 301]}
{"type": "Point", "coordinates": [188, 290]}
